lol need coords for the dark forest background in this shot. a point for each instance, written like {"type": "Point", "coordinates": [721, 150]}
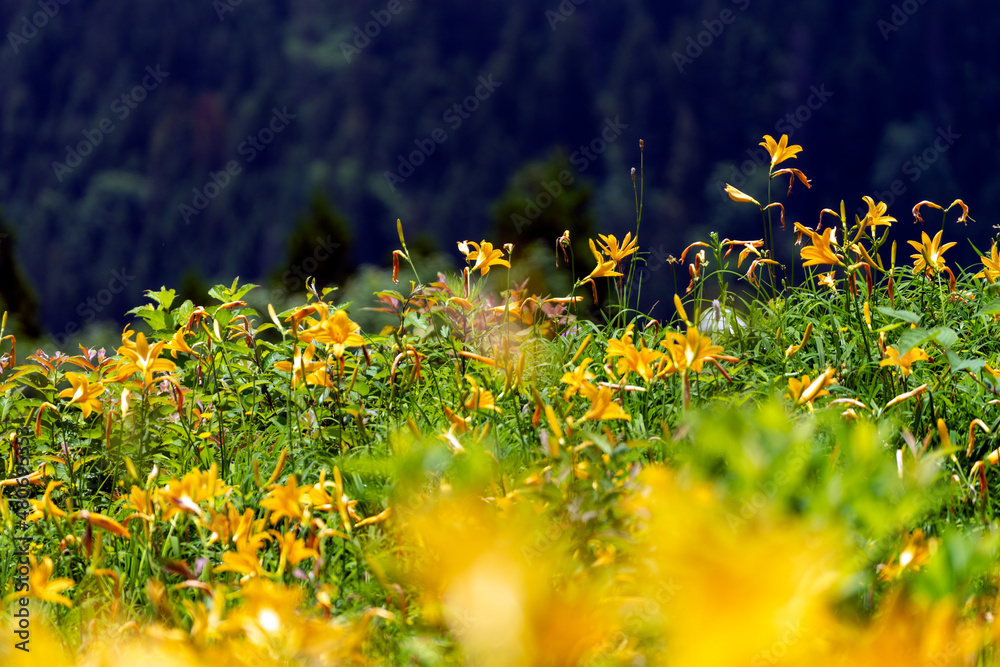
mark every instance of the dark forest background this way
{"type": "Point", "coordinates": [881, 95]}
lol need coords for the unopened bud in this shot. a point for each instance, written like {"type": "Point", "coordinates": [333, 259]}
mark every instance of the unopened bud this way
{"type": "Point", "coordinates": [642, 144]}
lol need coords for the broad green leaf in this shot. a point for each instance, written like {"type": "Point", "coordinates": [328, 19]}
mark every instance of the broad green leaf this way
{"type": "Point", "coordinates": [911, 338]}
{"type": "Point", "coordinates": [992, 308]}
{"type": "Point", "coordinates": [959, 364]}
{"type": "Point", "coordinates": [946, 336]}
{"type": "Point", "coordinates": [165, 297]}
{"type": "Point", "coordinates": [904, 315]}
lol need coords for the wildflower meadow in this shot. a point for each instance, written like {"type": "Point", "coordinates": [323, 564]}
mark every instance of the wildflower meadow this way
{"type": "Point", "coordinates": [797, 466]}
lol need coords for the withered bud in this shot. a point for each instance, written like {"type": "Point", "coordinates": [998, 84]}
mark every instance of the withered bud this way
{"type": "Point", "coordinates": [642, 144]}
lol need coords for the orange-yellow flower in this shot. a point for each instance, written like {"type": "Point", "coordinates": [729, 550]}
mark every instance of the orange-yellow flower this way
{"type": "Point", "coordinates": [283, 501]}
{"type": "Point", "coordinates": [45, 508]}
{"type": "Point", "coordinates": [188, 492]}
{"type": "Point", "coordinates": [243, 561]}
{"type": "Point", "coordinates": [739, 196]}
{"type": "Point", "coordinates": [83, 394]}
{"type": "Point", "coordinates": [779, 150]}
{"type": "Point", "coordinates": [804, 391]}
{"type": "Point", "coordinates": [303, 368]}
{"type": "Point", "coordinates": [820, 252]}
{"type": "Point", "coordinates": [928, 257]}
{"type": "Point", "coordinates": [605, 269]}
{"type": "Point", "coordinates": [827, 280]}
{"type": "Point", "coordinates": [610, 246]}
{"type": "Point", "coordinates": [904, 362]}
{"type": "Point", "coordinates": [602, 408]}
{"type": "Point", "coordinates": [142, 358]}
{"type": "Point", "coordinates": [576, 379]}
{"type": "Point", "coordinates": [484, 255]}
{"type": "Point", "coordinates": [178, 344]}
{"type": "Point", "coordinates": [631, 360]}
{"type": "Point", "coordinates": [479, 399]}
{"type": "Point", "coordinates": [991, 266]}
{"type": "Point", "coordinates": [337, 332]}
{"type": "Point", "coordinates": [293, 550]}
{"type": "Point", "coordinates": [42, 586]}
{"type": "Point", "coordinates": [876, 214]}
{"type": "Point", "coordinates": [690, 351]}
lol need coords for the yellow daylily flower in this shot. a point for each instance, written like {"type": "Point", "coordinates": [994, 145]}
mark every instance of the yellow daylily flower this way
{"type": "Point", "coordinates": [142, 359]}
{"type": "Point", "coordinates": [283, 500]}
{"type": "Point", "coordinates": [480, 399]}
{"type": "Point", "coordinates": [820, 252]}
{"type": "Point", "coordinates": [991, 266]}
{"type": "Point", "coordinates": [739, 196]}
{"type": "Point", "coordinates": [690, 351]}
{"type": "Point", "coordinates": [484, 255]}
{"type": "Point", "coordinates": [576, 379]}
{"type": "Point", "coordinates": [337, 332]}
{"type": "Point", "coordinates": [42, 586]}
{"type": "Point", "coordinates": [610, 246]}
{"type": "Point", "coordinates": [906, 361]}
{"type": "Point", "coordinates": [243, 561]}
{"type": "Point", "coordinates": [928, 257]}
{"type": "Point", "coordinates": [187, 493]}
{"type": "Point", "coordinates": [45, 508]}
{"type": "Point", "coordinates": [602, 408]}
{"type": "Point", "coordinates": [804, 391]}
{"type": "Point", "coordinates": [828, 279]}
{"type": "Point", "coordinates": [876, 214]}
{"type": "Point", "coordinates": [178, 344]}
{"type": "Point", "coordinates": [83, 394]}
{"type": "Point", "coordinates": [916, 553]}
{"type": "Point", "coordinates": [293, 550]}
{"type": "Point", "coordinates": [779, 150]}
{"type": "Point", "coordinates": [303, 368]}
{"type": "Point", "coordinates": [605, 269]}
